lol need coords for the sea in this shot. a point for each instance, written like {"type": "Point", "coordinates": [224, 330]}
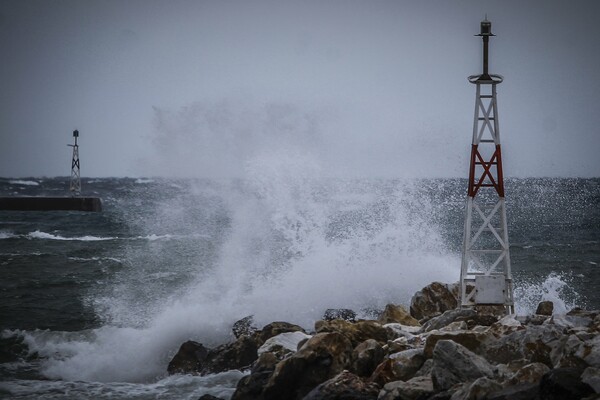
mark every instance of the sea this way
{"type": "Point", "coordinates": [94, 305]}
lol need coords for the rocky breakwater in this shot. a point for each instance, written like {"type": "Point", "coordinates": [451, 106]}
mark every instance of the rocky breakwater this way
{"type": "Point", "coordinates": [434, 352]}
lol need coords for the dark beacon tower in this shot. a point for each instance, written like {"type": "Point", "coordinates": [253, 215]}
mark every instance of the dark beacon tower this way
{"type": "Point", "coordinates": [485, 275]}
{"type": "Point", "coordinates": [75, 186]}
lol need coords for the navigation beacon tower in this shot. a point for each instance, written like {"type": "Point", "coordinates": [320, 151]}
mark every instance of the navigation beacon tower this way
{"type": "Point", "coordinates": [485, 275]}
{"type": "Point", "coordinates": [75, 186]}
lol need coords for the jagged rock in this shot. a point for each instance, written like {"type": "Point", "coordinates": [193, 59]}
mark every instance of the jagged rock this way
{"type": "Point", "coordinates": [250, 387]}
{"type": "Point", "coordinates": [433, 300]}
{"type": "Point", "coordinates": [473, 341]}
{"type": "Point", "coordinates": [525, 391]}
{"type": "Point", "coordinates": [447, 318]}
{"type": "Point", "coordinates": [406, 363]}
{"type": "Point", "coordinates": [283, 344]}
{"type": "Point", "coordinates": [403, 330]}
{"type": "Point", "coordinates": [535, 344]}
{"type": "Point", "coordinates": [563, 384]}
{"type": "Point", "coordinates": [479, 389]}
{"type": "Point", "coordinates": [321, 358]}
{"type": "Point", "coordinates": [591, 376]}
{"type": "Point", "coordinates": [346, 386]}
{"type": "Point", "coordinates": [237, 355]}
{"type": "Point", "coordinates": [209, 397]}
{"type": "Point", "coordinates": [339, 313]}
{"type": "Point", "coordinates": [505, 326]}
{"type": "Point", "coordinates": [244, 327]}
{"type": "Point", "coordinates": [567, 322]}
{"type": "Point", "coordinates": [426, 368]}
{"type": "Point", "coordinates": [545, 308]}
{"type": "Point", "coordinates": [396, 345]}
{"type": "Point", "coordinates": [455, 326]}
{"type": "Point", "coordinates": [397, 314]}
{"type": "Point", "coordinates": [189, 359]}
{"type": "Point", "coordinates": [275, 328]}
{"type": "Point", "coordinates": [384, 373]}
{"type": "Point", "coordinates": [532, 319]}
{"type": "Point", "coordinates": [366, 357]}
{"type": "Point", "coordinates": [357, 332]}
{"type": "Point", "coordinates": [530, 373]}
{"type": "Point", "coordinates": [417, 388]}
{"type": "Point", "coordinates": [570, 353]}
{"type": "Point", "coordinates": [479, 320]}
{"type": "Point", "coordinates": [454, 363]}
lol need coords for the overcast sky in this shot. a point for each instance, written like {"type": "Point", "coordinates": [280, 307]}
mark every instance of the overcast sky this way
{"type": "Point", "coordinates": [367, 88]}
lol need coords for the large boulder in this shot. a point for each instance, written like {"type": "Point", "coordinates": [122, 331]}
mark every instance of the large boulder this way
{"type": "Point", "coordinates": [356, 332]}
{"type": "Point", "coordinates": [591, 376]}
{"type": "Point", "coordinates": [454, 363]}
{"type": "Point", "coordinates": [189, 359]}
{"type": "Point", "coordinates": [481, 388]}
{"type": "Point", "coordinates": [564, 384]}
{"type": "Point", "coordinates": [321, 358]}
{"type": "Point", "coordinates": [417, 388]}
{"type": "Point", "coordinates": [366, 357]}
{"type": "Point", "coordinates": [523, 391]}
{"type": "Point", "coordinates": [237, 355]}
{"type": "Point", "coordinates": [283, 344]}
{"type": "Point", "coordinates": [397, 314]}
{"type": "Point", "coordinates": [405, 364]}
{"type": "Point", "coordinates": [346, 386]}
{"type": "Point", "coordinates": [447, 318]}
{"type": "Point", "coordinates": [250, 387]}
{"type": "Point", "coordinates": [530, 373]}
{"type": "Point", "coordinates": [474, 341]}
{"type": "Point", "coordinates": [275, 328]}
{"type": "Point", "coordinates": [433, 300]}
{"type": "Point", "coordinates": [535, 344]}
{"type": "Point", "coordinates": [545, 308]}
{"type": "Point", "coordinates": [244, 326]}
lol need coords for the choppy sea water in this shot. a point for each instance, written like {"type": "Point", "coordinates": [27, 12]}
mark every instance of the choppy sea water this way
{"type": "Point", "coordinates": [94, 305]}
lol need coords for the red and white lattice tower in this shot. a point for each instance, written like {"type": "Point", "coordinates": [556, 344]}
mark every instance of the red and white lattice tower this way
{"type": "Point", "coordinates": [485, 276]}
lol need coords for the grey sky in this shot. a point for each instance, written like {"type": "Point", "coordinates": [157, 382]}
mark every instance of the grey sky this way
{"type": "Point", "coordinates": [367, 88]}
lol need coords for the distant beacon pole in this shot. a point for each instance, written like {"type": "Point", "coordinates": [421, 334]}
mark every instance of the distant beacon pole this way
{"type": "Point", "coordinates": [485, 275]}
{"type": "Point", "coordinates": [75, 186]}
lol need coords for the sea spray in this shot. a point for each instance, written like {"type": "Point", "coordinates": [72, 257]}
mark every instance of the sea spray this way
{"type": "Point", "coordinates": [295, 244]}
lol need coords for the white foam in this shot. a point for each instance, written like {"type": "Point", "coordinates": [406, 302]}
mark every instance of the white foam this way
{"type": "Point", "coordinates": [554, 287]}
{"type": "Point", "coordinates": [7, 235]}
{"type": "Point", "coordinates": [24, 183]}
{"type": "Point", "coordinates": [48, 236]}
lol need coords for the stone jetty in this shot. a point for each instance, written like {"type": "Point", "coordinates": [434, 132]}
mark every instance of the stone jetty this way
{"type": "Point", "coordinates": [433, 351]}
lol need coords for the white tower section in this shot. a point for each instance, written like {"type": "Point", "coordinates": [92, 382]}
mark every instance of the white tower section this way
{"type": "Point", "coordinates": [485, 276]}
{"type": "Point", "coordinates": [75, 186]}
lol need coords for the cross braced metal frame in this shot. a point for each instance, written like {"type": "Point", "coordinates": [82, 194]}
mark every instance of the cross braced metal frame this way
{"type": "Point", "coordinates": [486, 277]}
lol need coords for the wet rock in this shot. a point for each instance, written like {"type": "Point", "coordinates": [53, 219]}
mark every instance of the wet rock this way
{"type": "Point", "coordinates": [397, 314]}
{"type": "Point", "coordinates": [406, 363]}
{"type": "Point", "coordinates": [417, 388]}
{"type": "Point", "coordinates": [536, 343]}
{"type": "Point", "coordinates": [563, 384]}
{"type": "Point", "coordinates": [250, 387]}
{"type": "Point", "coordinates": [384, 373]}
{"type": "Point", "coordinates": [276, 328]}
{"type": "Point", "coordinates": [481, 388]}
{"type": "Point", "coordinates": [530, 373]}
{"type": "Point", "coordinates": [454, 363]}
{"type": "Point", "coordinates": [473, 341]}
{"type": "Point", "coordinates": [591, 376]}
{"type": "Point", "coordinates": [433, 300]}
{"type": "Point", "coordinates": [321, 358]}
{"type": "Point", "coordinates": [505, 326]}
{"type": "Point", "coordinates": [209, 397]}
{"type": "Point", "coordinates": [357, 332]}
{"type": "Point", "coordinates": [524, 391]}
{"type": "Point", "coordinates": [244, 327]}
{"type": "Point", "coordinates": [545, 308]}
{"type": "Point", "coordinates": [346, 386]}
{"type": "Point", "coordinates": [400, 330]}
{"type": "Point", "coordinates": [283, 344]}
{"type": "Point", "coordinates": [189, 359]}
{"type": "Point", "coordinates": [447, 318]}
{"type": "Point", "coordinates": [479, 320]}
{"type": "Point", "coordinates": [237, 355]}
{"type": "Point", "coordinates": [366, 357]}
{"type": "Point", "coordinates": [339, 313]}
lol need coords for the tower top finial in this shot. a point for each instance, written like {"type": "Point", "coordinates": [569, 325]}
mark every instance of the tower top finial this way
{"type": "Point", "coordinates": [485, 28]}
